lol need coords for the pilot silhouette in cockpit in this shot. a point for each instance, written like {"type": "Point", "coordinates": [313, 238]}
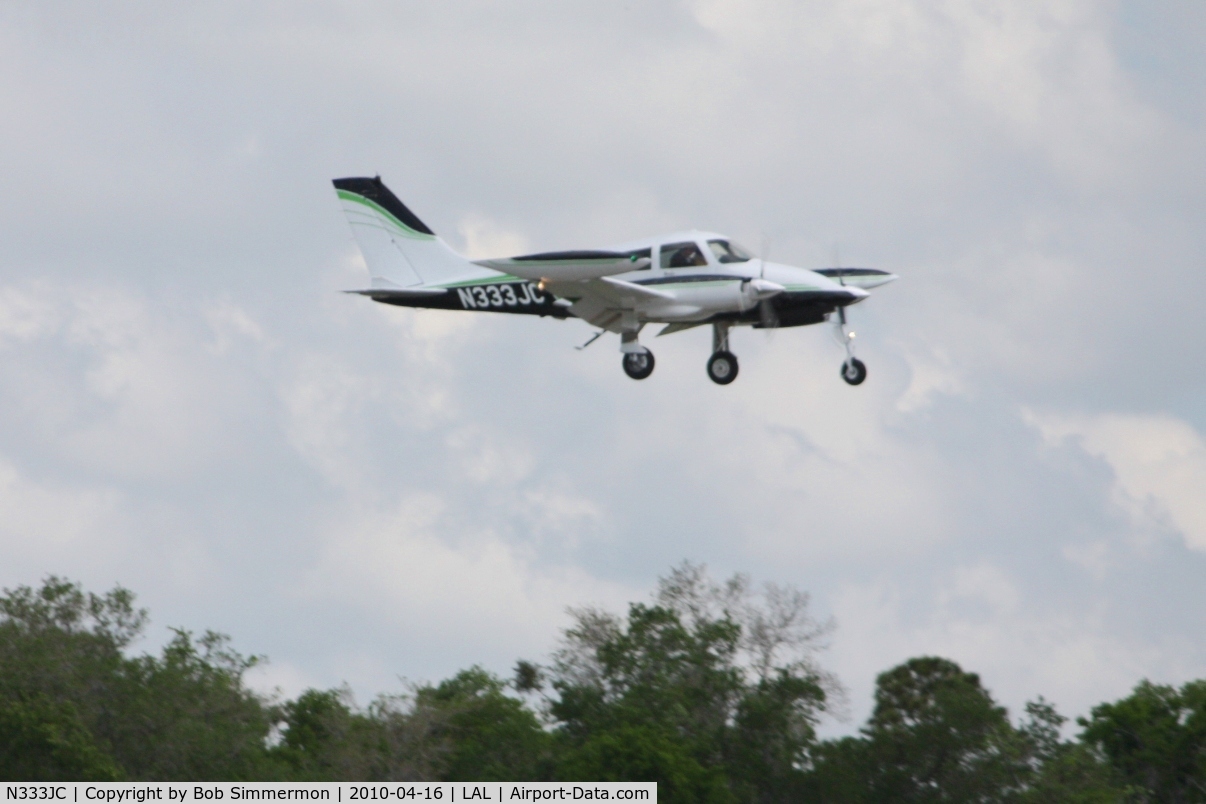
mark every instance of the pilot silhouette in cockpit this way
{"type": "Point", "coordinates": [686, 257]}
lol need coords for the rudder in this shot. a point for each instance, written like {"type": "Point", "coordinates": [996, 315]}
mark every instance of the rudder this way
{"type": "Point", "coordinates": [399, 249]}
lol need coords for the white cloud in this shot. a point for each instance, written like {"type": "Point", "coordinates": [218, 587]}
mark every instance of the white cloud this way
{"type": "Point", "coordinates": [114, 386]}
{"type": "Point", "coordinates": [977, 616]}
{"type": "Point", "coordinates": [1159, 463]}
{"type": "Point", "coordinates": [26, 315]}
{"type": "Point", "coordinates": [466, 592]}
{"type": "Point", "coordinates": [483, 239]}
{"type": "Point", "coordinates": [231, 324]}
{"type": "Point", "coordinates": [43, 521]}
{"type": "Point", "coordinates": [932, 374]}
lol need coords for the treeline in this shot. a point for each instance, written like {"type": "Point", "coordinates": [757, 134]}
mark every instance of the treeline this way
{"type": "Point", "coordinates": [710, 689]}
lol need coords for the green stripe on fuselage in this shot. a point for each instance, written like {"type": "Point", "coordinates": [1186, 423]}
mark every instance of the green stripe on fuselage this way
{"type": "Point", "coordinates": [486, 280]}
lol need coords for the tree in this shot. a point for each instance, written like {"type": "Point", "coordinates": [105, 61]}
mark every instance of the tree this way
{"type": "Point", "coordinates": [1062, 771]}
{"type": "Point", "coordinates": [491, 736]}
{"type": "Point", "coordinates": [716, 683]}
{"type": "Point", "coordinates": [60, 658]}
{"type": "Point", "coordinates": [325, 737]}
{"type": "Point", "coordinates": [73, 704]}
{"type": "Point", "coordinates": [936, 735]}
{"type": "Point", "coordinates": [44, 740]}
{"type": "Point", "coordinates": [1156, 740]}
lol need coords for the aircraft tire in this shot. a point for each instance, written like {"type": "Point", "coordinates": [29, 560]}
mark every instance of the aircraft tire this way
{"type": "Point", "coordinates": [722, 368]}
{"type": "Point", "coordinates": [854, 371]}
{"type": "Point", "coordinates": [638, 365]}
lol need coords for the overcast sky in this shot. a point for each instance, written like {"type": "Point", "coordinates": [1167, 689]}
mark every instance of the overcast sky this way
{"type": "Point", "coordinates": [188, 406]}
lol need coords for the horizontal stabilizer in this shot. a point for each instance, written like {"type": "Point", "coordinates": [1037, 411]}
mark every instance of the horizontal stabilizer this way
{"type": "Point", "coordinates": [399, 293]}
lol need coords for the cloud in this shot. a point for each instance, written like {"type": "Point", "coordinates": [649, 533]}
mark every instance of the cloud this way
{"type": "Point", "coordinates": [483, 238]}
{"type": "Point", "coordinates": [43, 520]}
{"type": "Point", "coordinates": [1158, 461]}
{"type": "Point", "coordinates": [979, 616]}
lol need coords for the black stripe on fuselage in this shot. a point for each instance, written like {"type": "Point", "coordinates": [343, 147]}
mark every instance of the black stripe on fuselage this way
{"type": "Point", "coordinates": [583, 256]}
{"type": "Point", "coordinates": [674, 280]}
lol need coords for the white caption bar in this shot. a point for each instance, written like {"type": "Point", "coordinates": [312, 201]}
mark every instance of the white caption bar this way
{"type": "Point", "coordinates": [338, 792]}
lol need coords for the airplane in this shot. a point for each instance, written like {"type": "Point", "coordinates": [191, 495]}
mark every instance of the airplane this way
{"type": "Point", "coordinates": [682, 280]}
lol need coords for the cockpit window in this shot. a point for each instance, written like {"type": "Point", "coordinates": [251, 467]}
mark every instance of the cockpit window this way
{"type": "Point", "coordinates": [727, 251]}
{"type": "Point", "coordinates": [681, 255]}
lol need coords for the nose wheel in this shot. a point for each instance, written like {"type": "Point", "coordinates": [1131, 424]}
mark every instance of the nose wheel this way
{"type": "Point", "coordinates": [853, 371]}
{"type": "Point", "coordinates": [638, 365]}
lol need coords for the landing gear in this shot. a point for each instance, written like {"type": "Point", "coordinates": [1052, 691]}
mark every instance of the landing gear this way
{"type": "Point", "coordinates": [638, 365]}
{"type": "Point", "coordinates": [722, 368]}
{"type": "Point", "coordinates": [638, 361]}
{"type": "Point", "coordinates": [722, 365]}
{"type": "Point", "coordinates": [853, 371]}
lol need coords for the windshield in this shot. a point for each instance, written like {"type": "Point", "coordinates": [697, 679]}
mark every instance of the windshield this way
{"type": "Point", "coordinates": [726, 251]}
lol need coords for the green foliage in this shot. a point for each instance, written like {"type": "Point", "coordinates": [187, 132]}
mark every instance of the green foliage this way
{"type": "Point", "coordinates": [646, 753]}
{"type": "Point", "coordinates": [44, 740]}
{"type": "Point", "coordinates": [319, 737]}
{"type": "Point", "coordinates": [325, 738]}
{"type": "Point", "coordinates": [491, 735]}
{"type": "Point", "coordinates": [1156, 739]}
{"type": "Point", "coordinates": [186, 715]}
{"type": "Point", "coordinates": [936, 735]}
{"type": "Point", "coordinates": [73, 705]}
{"type": "Point", "coordinates": [709, 690]}
{"type": "Point", "coordinates": [464, 729]}
{"type": "Point", "coordinates": [706, 691]}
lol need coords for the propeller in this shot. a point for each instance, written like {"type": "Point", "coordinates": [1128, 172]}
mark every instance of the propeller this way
{"type": "Point", "coordinates": [844, 338]}
{"type": "Point", "coordinates": [767, 315]}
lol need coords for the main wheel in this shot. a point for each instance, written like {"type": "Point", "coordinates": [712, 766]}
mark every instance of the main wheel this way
{"type": "Point", "coordinates": [722, 368]}
{"type": "Point", "coordinates": [638, 365]}
{"type": "Point", "coordinates": [853, 371]}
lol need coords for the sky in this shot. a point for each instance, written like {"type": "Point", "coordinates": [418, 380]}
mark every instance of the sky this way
{"type": "Point", "coordinates": [373, 496]}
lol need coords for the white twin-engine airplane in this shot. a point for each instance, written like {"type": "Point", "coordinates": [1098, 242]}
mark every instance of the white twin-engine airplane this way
{"type": "Point", "coordinates": [683, 280]}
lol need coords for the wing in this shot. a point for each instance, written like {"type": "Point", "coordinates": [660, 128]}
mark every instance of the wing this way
{"type": "Point", "coordinates": [604, 301]}
{"type": "Point", "coordinates": [570, 266]}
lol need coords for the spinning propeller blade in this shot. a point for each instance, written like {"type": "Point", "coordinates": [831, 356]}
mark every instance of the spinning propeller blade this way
{"type": "Point", "coordinates": [767, 315]}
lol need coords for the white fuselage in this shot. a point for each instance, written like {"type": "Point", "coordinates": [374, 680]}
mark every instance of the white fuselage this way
{"type": "Point", "coordinates": [711, 286]}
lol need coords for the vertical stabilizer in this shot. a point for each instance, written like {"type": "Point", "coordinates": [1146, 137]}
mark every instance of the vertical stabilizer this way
{"type": "Point", "coordinates": [399, 249]}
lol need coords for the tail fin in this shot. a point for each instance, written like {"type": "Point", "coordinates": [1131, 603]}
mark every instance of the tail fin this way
{"type": "Point", "coordinates": [399, 249]}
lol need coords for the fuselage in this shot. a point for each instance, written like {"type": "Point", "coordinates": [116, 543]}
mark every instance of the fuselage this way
{"type": "Point", "coordinates": [680, 278]}
{"type": "Point", "coordinates": [711, 278]}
